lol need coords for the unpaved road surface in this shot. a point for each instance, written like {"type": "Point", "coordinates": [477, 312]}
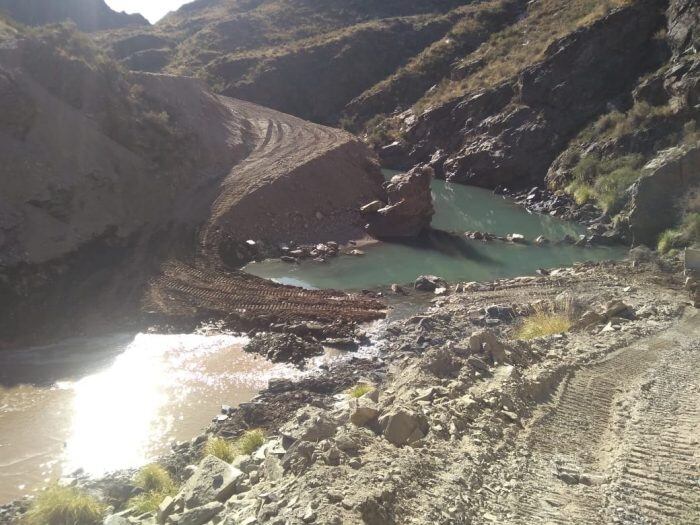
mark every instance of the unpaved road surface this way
{"type": "Point", "coordinates": [620, 443]}
{"type": "Point", "coordinates": [300, 181]}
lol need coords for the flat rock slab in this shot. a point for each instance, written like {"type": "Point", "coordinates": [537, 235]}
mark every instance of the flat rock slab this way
{"type": "Point", "coordinates": [214, 480]}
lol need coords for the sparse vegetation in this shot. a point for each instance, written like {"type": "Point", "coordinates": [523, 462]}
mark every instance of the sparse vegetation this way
{"type": "Point", "coordinates": [156, 483]}
{"type": "Point", "coordinates": [508, 52]}
{"type": "Point", "coordinates": [65, 506]}
{"type": "Point", "coordinates": [379, 131]}
{"type": "Point", "coordinates": [604, 181]}
{"type": "Point", "coordinates": [221, 448]}
{"type": "Point", "coordinates": [360, 390]}
{"type": "Point", "coordinates": [685, 235]}
{"type": "Point", "coordinates": [227, 450]}
{"type": "Point", "coordinates": [617, 124]}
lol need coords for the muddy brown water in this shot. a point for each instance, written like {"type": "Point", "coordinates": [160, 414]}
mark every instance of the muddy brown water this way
{"type": "Point", "coordinates": [115, 402]}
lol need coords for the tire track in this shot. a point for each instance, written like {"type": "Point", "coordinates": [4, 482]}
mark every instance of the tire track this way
{"type": "Point", "coordinates": [600, 454]}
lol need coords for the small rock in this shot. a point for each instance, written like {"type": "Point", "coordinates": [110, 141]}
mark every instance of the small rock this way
{"type": "Point", "coordinates": [402, 426]}
{"type": "Point", "coordinates": [429, 283]}
{"type": "Point", "coordinates": [200, 515]}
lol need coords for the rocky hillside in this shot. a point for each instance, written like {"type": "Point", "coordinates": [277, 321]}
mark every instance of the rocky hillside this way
{"type": "Point", "coordinates": [88, 15]}
{"type": "Point", "coordinates": [310, 58]}
{"type": "Point", "coordinates": [575, 95]}
{"type": "Point", "coordinates": [105, 175]}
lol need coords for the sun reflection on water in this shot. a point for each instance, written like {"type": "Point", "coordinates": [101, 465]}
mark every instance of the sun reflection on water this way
{"type": "Point", "coordinates": [161, 388]}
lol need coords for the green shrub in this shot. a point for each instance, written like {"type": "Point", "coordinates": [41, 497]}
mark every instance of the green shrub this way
{"type": "Point", "coordinates": [154, 478]}
{"type": "Point", "coordinates": [360, 390]}
{"type": "Point", "coordinates": [250, 441]}
{"type": "Point", "coordinates": [65, 506]}
{"type": "Point", "coordinates": [604, 181]}
{"type": "Point", "coordinates": [610, 189]}
{"type": "Point", "coordinates": [587, 169]}
{"type": "Point", "coordinates": [221, 448]}
{"type": "Point", "coordinates": [685, 235]}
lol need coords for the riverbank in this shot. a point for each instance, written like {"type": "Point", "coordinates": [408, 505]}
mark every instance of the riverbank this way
{"type": "Point", "coordinates": [432, 442]}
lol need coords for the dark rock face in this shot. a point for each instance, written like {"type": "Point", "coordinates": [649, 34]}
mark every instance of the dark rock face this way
{"type": "Point", "coordinates": [88, 15]}
{"type": "Point", "coordinates": [410, 206]}
{"type": "Point", "coordinates": [409, 84]}
{"type": "Point", "coordinates": [317, 82]}
{"type": "Point", "coordinates": [511, 133]}
{"type": "Point", "coordinates": [684, 25]}
{"type": "Point", "coordinates": [652, 207]}
{"type": "Point", "coordinates": [283, 348]}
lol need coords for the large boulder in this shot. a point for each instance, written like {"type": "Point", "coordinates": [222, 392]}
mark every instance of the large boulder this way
{"type": "Point", "coordinates": [214, 480]}
{"type": "Point", "coordinates": [653, 205]}
{"type": "Point", "coordinates": [410, 206]}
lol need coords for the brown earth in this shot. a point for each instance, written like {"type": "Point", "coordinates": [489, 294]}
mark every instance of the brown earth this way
{"type": "Point", "coordinates": [105, 176]}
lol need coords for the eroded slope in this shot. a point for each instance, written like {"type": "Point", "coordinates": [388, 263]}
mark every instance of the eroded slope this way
{"type": "Point", "coordinates": [105, 175]}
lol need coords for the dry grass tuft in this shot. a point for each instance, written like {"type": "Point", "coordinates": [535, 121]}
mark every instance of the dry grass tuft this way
{"type": "Point", "coordinates": [221, 448]}
{"type": "Point", "coordinates": [64, 506]}
{"type": "Point", "coordinates": [360, 390]}
{"type": "Point", "coordinates": [227, 450]}
{"type": "Point", "coordinates": [157, 485]}
{"type": "Point", "coordinates": [548, 319]}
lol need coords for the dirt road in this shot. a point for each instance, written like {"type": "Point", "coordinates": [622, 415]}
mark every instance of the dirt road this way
{"type": "Point", "coordinates": [619, 443]}
{"type": "Point", "coordinates": [300, 181]}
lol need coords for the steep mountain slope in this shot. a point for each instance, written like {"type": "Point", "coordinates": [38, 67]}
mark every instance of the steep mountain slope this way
{"type": "Point", "coordinates": [306, 57]}
{"type": "Point", "coordinates": [106, 175]}
{"type": "Point", "coordinates": [88, 15]}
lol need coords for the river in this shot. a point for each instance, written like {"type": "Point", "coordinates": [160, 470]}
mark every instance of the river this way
{"type": "Point", "coordinates": [459, 208]}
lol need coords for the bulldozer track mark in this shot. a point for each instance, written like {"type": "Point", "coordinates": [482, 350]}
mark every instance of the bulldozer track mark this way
{"type": "Point", "coordinates": [207, 286]}
{"type": "Point", "coordinates": [619, 442]}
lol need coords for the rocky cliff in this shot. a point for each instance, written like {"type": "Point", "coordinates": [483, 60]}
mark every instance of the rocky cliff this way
{"type": "Point", "coordinates": [88, 15]}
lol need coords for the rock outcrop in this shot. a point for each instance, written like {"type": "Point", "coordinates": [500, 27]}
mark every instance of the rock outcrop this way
{"type": "Point", "coordinates": [653, 205]}
{"type": "Point", "coordinates": [409, 209]}
{"type": "Point", "coordinates": [511, 133]}
{"type": "Point", "coordinates": [88, 15]}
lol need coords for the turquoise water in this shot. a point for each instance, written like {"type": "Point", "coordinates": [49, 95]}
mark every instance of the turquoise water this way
{"type": "Point", "coordinates": [459, 208]}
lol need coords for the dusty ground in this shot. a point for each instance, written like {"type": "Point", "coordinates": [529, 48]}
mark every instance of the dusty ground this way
{"type": "Point", "coordinates": [596, 426]}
